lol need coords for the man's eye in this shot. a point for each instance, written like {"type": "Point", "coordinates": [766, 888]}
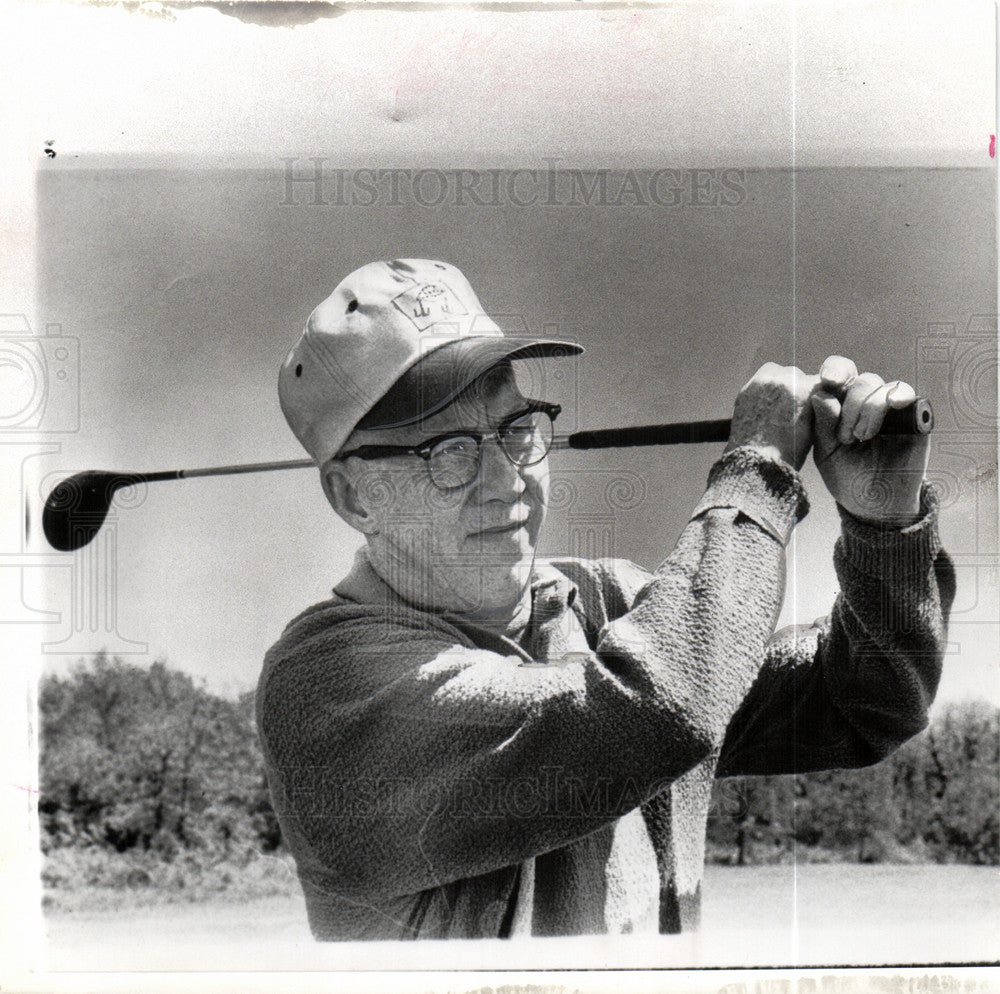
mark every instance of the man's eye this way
{"type": "Point", "coordinates": [462, 446]}
{"type": "Point", "coordinates": [521, 430]}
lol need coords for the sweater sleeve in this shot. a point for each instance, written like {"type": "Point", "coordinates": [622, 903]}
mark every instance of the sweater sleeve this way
{"type": "Point", "coordinates": [847, 690]}
{"type": "Point", "coordinates": [404, 756]}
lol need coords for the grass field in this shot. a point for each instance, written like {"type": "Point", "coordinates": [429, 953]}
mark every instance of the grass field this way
{"type": "Point", "coordinates": [821, 915]}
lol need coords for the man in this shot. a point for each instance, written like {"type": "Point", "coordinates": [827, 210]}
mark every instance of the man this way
{"type": "Point", "coordinates": [467, 742]}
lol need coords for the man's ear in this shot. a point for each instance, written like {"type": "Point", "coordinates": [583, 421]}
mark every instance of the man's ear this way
{"type": "Point", "coordinates": [341, 492]}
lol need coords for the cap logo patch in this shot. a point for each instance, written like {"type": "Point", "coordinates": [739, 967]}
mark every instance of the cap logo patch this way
{"type": "Point", "coordinates": [425, 304]}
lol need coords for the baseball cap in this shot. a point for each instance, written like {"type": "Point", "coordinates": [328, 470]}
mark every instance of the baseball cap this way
{"type": "Point", "coordinates": [394, 343]}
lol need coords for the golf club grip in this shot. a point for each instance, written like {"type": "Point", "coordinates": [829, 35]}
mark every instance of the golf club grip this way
{"type": "Point", "coordinates": [916, 419]}
{"type": "Point", "coordinates": [673, 434]}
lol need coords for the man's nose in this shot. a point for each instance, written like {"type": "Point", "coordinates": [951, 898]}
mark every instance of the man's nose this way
{"type": "Point", "coordinates": [498, 476]}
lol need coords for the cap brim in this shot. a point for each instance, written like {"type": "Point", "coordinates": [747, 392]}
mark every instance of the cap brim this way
{"type": "Point", "coordinates": [434, 381]}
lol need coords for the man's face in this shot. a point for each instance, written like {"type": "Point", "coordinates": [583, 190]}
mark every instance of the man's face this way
{"type": "Point", "coordinates": [468, 549]}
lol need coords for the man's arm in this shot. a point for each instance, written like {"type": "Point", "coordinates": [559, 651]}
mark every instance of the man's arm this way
{"type": "Point", "coordinates": [848, 690]}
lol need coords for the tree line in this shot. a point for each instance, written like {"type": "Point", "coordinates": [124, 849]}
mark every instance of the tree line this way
{"type": "Point", "coordinates": [936, 799]}
{"type": "Point", "coordinates": [146, 760]}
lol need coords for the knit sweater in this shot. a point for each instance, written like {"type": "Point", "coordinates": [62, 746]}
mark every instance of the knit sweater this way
{"type": "Point", "coordinates": [434, 778]}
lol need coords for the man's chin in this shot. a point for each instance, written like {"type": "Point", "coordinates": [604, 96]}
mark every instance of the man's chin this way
{"type": "Point", "coordinates": [493, 588]}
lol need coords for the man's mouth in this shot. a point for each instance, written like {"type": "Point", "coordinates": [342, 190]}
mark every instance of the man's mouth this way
{"type": "Point", "coordinates": [511, 526]}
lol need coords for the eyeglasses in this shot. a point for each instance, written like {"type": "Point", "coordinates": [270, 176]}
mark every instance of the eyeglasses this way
{"type": "Point", "coordinates": [454, 458]}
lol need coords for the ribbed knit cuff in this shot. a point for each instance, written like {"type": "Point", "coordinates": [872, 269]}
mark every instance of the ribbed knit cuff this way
{"type": "Point", "coordinates": [767, 491]}
{"type": "Point", "coordinates": [870, 548]}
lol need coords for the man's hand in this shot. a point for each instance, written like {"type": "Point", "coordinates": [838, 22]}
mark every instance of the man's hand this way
{"type": "Point", "coordinates": [874, 477]}
{"type": "Point", "coordinates": [783, 412]}
{"type": "Point", "coordinates": [773, 413]}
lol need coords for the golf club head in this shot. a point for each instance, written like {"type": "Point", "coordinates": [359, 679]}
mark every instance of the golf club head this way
{"type": "Point", "coordinates": [76, 508]}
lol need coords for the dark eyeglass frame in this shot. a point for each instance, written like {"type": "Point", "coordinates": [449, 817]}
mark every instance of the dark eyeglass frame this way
{"type": "Point", "coordinates": [425, 448]}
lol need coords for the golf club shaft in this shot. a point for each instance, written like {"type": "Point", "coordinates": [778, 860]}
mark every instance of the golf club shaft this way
{"type": "Point", "coordinates": [605, 438]}
{"type": "Point", "coordinates": [249, 467]}
{"type": "Point", "coordinates": [916, 419]}
{"type": "Point", "coordinates": [671, 434]}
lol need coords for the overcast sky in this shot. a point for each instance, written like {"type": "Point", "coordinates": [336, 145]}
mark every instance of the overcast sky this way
{"type": "Point", "coordinates": [185, 286]}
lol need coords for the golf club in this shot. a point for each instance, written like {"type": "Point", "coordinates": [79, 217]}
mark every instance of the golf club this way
{"type": "Point", "coordinates": [77, 506]}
